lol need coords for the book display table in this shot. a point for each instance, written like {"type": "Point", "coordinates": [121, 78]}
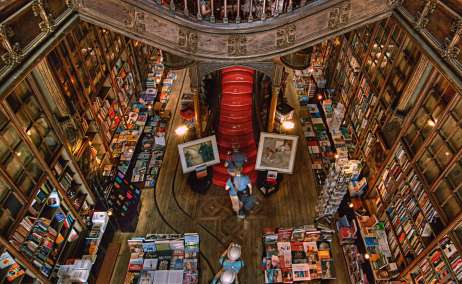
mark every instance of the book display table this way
{"type": "Point", "coordinates": [298, 254]}
{"type": "Point", "coordinates": [164, 258]}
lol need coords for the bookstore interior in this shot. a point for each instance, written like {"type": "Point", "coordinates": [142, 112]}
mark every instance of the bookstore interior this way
{"type": "Point", "coordinates": [124, 161]}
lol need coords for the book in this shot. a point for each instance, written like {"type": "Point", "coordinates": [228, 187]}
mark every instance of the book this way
{"type": "Point", "coordinates": [285, 254]}
{"type": "Point", "coordinates": [301, 272]}
{"type": "Point", "coordinates": [273, 276]}
{"type": "Point", "coordinates": [298, 253]}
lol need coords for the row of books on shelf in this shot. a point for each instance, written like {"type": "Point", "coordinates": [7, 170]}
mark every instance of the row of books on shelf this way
{"type": "Point", "coordinates": [442, 265]}
{"type": "Point", "coordinates": [78, 270]}
{"type": "Point", "coordinates": [164, 258]}
{"type": "Point", "coordinates": [72, 184]}
{"type": "Point", "coordinates": [298, 254]}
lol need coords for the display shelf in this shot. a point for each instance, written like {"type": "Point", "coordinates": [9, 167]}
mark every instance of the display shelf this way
{"type": "Point", "coordinates": [375, 240]}
{"type": "Point", "coordinates": [298, 254]}
{"type": "Point", "coordinates": [160, 258]}
{"type": "Point", "coordinates": [78, 270]}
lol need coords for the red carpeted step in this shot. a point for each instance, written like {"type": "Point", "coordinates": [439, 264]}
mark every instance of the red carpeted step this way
{"type": "Point", "coordinates": [235, 108]}
{"type": "Point", "coordinates": [240, 91]}
{"type": "Point", "coordinates": [236, 101]}
{"type": "Point", "coordinates": [236, 127]}
{"type": "Point", "coordinates": [230, 144]}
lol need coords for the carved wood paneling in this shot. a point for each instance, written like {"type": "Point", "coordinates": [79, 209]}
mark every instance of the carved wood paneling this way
{"type": "Point", "coordinates": [440, 24]}
{"type": "Point", "coordinates": [247, 42]}
{"type": "Point", "coordinates": [414, 8]}
{"type": "Point", "coordinates": [26, 29]}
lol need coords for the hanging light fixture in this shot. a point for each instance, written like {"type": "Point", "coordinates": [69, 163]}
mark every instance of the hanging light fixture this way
{"type": "Point", "coordinates": [298, 60]}
{"type": "Point", "coordinates": [175, 62]}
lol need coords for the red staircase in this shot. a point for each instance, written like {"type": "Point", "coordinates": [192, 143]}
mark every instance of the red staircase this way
{"type": "Point", "coordinates": [235, 124]}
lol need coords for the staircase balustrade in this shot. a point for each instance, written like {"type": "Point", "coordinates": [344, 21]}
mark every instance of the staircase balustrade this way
{"type": "Point", "coordinates": [231, 11]}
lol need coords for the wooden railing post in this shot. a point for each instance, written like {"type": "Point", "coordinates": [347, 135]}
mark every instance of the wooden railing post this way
{"type": "Point", "coordinates": [263, 14]}
{"type": "Point", "coordinates": [225, 16]}
{"type": "Point", "coordinates": [199, 14]}
{"type": "Point", "coordinates": [186, 11]}
{"type": "Point", "coordinates": [250, 11]}
{"type": "Point", "coordinates": [172, 6]}
{"type": "Point", "coordinates": [212, 12]}
{"type": "Point", "coordinates": [238, 16]}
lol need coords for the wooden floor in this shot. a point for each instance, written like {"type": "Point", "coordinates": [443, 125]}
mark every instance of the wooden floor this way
{"type": "Point", "coordinates": [173, 207]}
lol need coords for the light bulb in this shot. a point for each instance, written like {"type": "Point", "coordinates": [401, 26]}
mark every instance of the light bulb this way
{"type": "Point", "coordinates": [181, 130]}
{"type": "Point", "coordinates": [288, 125]}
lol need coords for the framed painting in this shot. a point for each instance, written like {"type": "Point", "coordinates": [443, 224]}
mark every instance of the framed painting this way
{"type": "Point", "coordinates": [276, 152]}
{"type": "Point", "coordinates": [197, 153]}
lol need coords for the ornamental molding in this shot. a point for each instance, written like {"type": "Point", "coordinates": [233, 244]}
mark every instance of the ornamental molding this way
{"type": "Point", "coordinates": [238, 43]}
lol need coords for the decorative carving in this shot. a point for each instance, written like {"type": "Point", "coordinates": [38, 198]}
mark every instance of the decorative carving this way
{"type": "Point", "coordinates": [339, 16]}
{"type": "Point", "coordinates": [422, 17]}
{"type": "Point", "coordinates": [47, 24]}
{"type": "Point", "coordinates": [129, 21]}
{"type": "Point", "coordinates": [74, 4]}
{"type": "Point", "coordinates": [394, 3]}
{"type": "Point", "coordinates": [285, 36]}
{"type": "Point", "coordinates": [13, 55]}
{"type": "Point", "coordinates": [140, 26]}
{"type": "Point", "coordinates": [237, 45]}
{"type": "Point", "coordinates": [187, 39]}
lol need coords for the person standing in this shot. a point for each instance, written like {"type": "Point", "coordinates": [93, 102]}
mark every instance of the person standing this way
{"type": "Point", "coordinates": [239, 188]}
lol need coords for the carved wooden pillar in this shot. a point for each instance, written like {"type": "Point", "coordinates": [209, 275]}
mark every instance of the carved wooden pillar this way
{"type": "Point", "coordinates": [276, 87]}
{"type": "Point", "coordinates": [197, 113]}
{"type": "Point", "coordinates": [195, 85]}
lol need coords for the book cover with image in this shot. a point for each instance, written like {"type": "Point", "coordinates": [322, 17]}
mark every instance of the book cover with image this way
{"type": "Point", "coordinates": [301, 272]}
{"type": "Point", "coordinates": [285, 254]}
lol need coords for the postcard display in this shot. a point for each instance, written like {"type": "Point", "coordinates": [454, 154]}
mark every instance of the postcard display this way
{"type": "Point", "coordinates": [78, 270]}
{"type": "Point", "coordinates": [164, 258]}
{"type": "Point", "coordinates": [342, 173]}
{"type": "Point", "coordinates": [298, 254]}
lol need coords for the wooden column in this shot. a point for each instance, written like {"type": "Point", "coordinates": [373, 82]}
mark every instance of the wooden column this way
{"type": "Point", "coordinates": [195, 85]}
{"type": "Point", "coordinates": [197, 113]}
{"type": "Point", "coordinates": [276, 87]}
{"type": "Point", "coordinates": [272, 109]}
{"type": "Point", "coordinates": [18, 255]}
